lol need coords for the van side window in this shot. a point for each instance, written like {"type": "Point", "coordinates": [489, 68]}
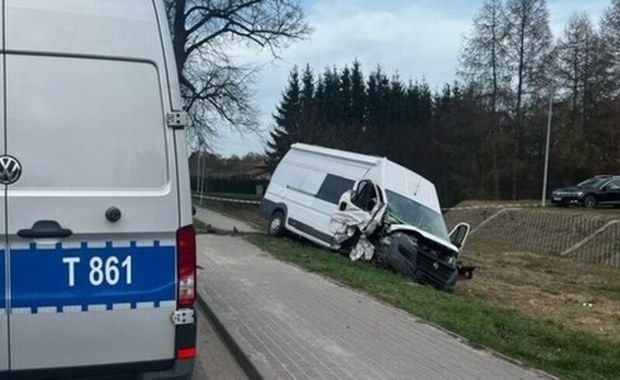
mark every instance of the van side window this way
{"type": "Point", "coordinates": [333, 187]}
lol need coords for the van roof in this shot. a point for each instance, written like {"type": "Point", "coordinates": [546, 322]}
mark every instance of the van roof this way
{"type": "Point", "coordinates": [408, 183]}
{"type": "Point", "coordinates": [391, 175]}
{"type": "Point", "coordinates": [363, 158]}
{"type": "Point", "coordinates": [135, 30]}
{"type": "Point", "coordinates": [111, 28]}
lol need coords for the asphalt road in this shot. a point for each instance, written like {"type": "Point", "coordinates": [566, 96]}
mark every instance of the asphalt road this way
{"type": "Point", "coordinates": [214, 361]}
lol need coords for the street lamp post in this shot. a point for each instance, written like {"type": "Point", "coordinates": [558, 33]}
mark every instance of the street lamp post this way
{"type": "Point", "coordinates": [550, 115]}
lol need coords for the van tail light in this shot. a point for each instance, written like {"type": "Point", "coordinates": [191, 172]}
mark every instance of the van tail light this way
{"type": "Point", "coordinates": [186, 266]}
{"type": "Point", "coordinates": [186, 353]}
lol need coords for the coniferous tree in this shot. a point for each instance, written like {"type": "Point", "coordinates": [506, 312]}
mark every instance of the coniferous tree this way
{"type": "Point", "coordinates": [287, 118]}
{"type": "Point", "coordinates": [308, 123]}
{"type": "Point", "coordinates": [358, 96]}
{"type": "Point", "coordinates": [378, 85]}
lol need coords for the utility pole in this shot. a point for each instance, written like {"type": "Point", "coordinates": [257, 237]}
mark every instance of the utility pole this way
{"type": "Point", "coordinates": [550, 115]}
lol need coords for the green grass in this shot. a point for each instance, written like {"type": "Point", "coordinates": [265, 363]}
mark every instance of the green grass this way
{"type": "Point", "coordinates": [559, 351]}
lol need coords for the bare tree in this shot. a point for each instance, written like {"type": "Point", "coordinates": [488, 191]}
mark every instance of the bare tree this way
{"type": "Point", "coordinates": [529, 59]}
{"type": "Point", "coordinates": [528, 49]}
{"type": "Point", "coordinates": [483, 62]}
{"type": "Point", "coordinates": [583, 66]}
{"type": "Point", "coordinates": [610, 34]}
{"type": "Point", "coordinates": [483, 58]}
{"type": "Point", "coordinates": [216, 90]}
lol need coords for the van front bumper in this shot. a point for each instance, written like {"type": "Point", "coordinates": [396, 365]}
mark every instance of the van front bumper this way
{"type": "Point", "coordinates": [406, 257]}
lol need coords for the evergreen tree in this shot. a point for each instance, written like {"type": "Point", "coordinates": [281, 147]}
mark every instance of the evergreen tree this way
{"type": "Point", "coordinates": [358, 96]}
{"type": "Point", "coordinates": [308, 123]}
{"type": "Point", "coordinates": [344, 100]}
{"type": "Point", "coordinates": [378, 85]}
{"type": "Point", "coordinates": [287, 118]}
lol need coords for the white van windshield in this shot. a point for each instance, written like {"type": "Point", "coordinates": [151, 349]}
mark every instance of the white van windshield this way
{"type": "Point", "coordinates": [404, 210]}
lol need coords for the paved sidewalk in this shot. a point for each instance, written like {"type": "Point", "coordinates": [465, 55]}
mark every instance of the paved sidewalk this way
{"type": "Point", "coordinates": [298, 325]}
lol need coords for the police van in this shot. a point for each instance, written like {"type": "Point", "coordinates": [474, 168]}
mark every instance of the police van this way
{"type": "Point", "coordinates": [97, 255]}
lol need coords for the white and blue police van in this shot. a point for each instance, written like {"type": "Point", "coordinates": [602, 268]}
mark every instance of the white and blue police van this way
{"type": "Point", "coordinates": [97, 253]}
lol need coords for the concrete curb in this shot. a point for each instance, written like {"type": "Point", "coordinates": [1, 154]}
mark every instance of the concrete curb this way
{"type": "Point", "coordinates": [241, 357]}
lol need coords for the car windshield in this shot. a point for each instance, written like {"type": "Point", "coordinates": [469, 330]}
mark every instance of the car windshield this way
{"type": "Point", "coordinates": [403, 210]}
{"type": "Point", "coordinates": [592, 182]}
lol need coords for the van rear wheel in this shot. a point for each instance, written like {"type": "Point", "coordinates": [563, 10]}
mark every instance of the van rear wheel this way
{"type": "Point", "coordinates": [276, 224]}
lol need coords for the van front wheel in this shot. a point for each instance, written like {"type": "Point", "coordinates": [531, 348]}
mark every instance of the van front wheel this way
{"type": "Point", "coordinates": [276, 224]}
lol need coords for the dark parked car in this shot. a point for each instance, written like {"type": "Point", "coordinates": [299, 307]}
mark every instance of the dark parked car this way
{"type": "Point", "coordinates": [600, 190]}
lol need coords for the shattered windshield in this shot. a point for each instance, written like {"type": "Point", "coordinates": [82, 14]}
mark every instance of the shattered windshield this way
{"type": "Point", "coordinates": [403, 210]}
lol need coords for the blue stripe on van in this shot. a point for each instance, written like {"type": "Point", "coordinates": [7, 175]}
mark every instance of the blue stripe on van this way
{"type": "Point", "coordinates": [40, 278]}
{"type": "Point", "coordinates": [2, 281]}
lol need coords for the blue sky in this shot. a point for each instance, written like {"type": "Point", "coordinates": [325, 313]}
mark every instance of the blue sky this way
{"type": "Point", "coordinates": [419, 39]}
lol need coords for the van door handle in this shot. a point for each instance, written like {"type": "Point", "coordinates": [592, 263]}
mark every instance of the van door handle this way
{"type": "Point", "coordinates": [45, 229]}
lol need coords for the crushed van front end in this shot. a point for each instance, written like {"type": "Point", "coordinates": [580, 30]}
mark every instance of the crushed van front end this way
{"type": "Point", "coordinates": [421, 259]}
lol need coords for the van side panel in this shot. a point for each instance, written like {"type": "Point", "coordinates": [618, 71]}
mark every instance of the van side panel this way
{"type": "Point", "coordinates": [301, 182]}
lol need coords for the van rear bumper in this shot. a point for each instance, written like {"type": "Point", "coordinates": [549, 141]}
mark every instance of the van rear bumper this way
{"type": "Point", "coordinates": [181, 370]}
{"type": "Point", "coordinates": [171, 369]}
{"type": "Point", "coordinates": [160, 370]}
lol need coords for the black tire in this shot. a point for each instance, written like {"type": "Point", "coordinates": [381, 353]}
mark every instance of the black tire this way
{"type": "Point", "coordinates": [589, 201]}
{"type": "Point", "coordinates": [276, 224]}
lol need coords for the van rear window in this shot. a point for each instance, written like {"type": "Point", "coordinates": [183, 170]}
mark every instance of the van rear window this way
{"type": "Point", "coordinates": [333, 187]}
{"type": "Point", "coordinates": [82, 123]}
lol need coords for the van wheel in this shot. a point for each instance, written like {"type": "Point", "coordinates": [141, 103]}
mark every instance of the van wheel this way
{"type": "Point", "coordinates": [276, 224]}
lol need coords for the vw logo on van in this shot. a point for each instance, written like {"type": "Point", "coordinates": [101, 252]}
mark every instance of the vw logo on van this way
{"type": "Point", "coordinates": [10, 170]}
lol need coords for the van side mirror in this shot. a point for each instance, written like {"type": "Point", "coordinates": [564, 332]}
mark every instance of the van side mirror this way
{"type": "Point", "coordinates": [342, 206]}
{"type": "Point", "coordinates": [458, 235]}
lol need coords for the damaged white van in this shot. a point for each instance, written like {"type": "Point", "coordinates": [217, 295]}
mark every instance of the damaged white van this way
{"type": "Point", "coordinates": [369, 206]}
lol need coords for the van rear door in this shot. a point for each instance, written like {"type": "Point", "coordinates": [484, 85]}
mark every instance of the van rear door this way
{"type": "Point", "coordinates": [92, 220]}
{"type": "Point", "coordinates": [4, 341]}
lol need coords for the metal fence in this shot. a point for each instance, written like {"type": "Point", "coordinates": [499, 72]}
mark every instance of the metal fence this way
{"type": "Point", "coordinates": [581, 234]}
